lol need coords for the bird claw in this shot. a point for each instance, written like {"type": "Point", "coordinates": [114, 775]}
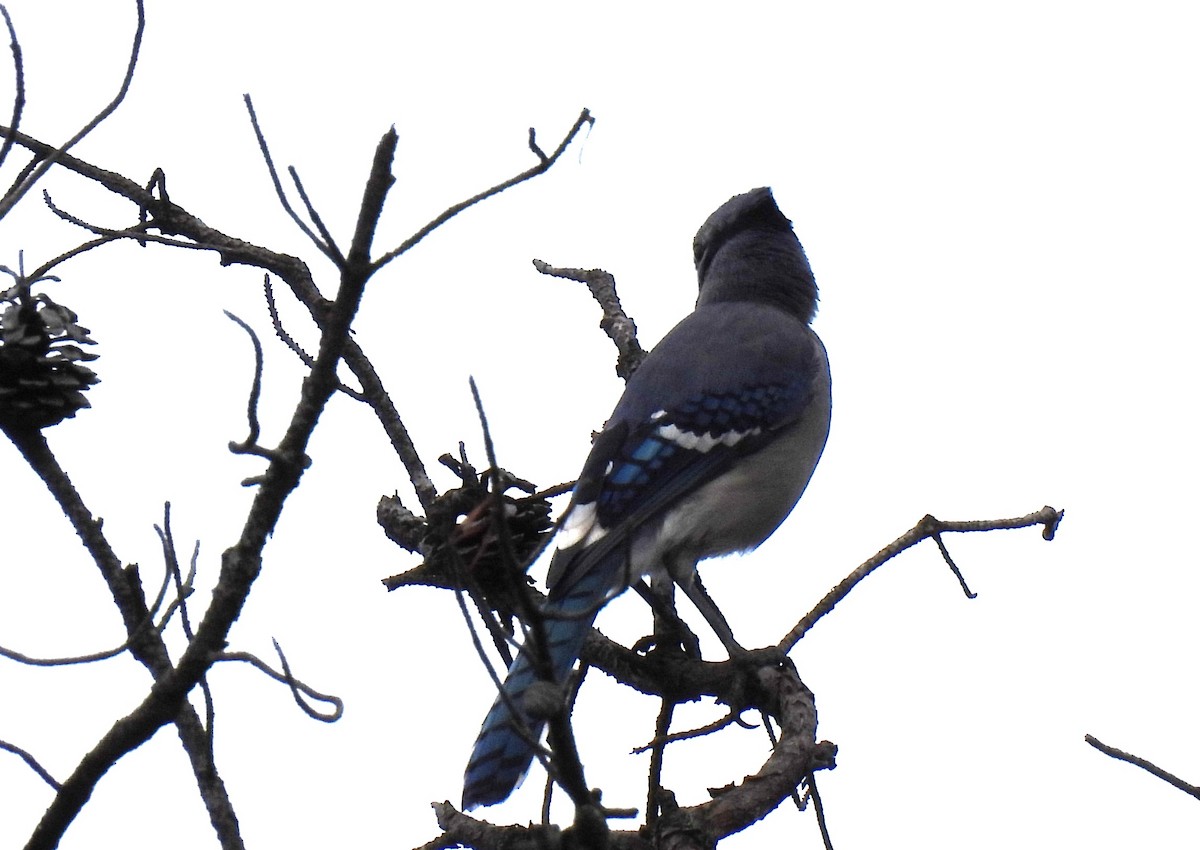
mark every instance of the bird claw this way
{"type": "Point", "coordinates": [678, 641]}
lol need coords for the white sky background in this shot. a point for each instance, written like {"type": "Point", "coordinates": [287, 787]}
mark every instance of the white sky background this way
{"type": "Point", "coordinates": [1001, 211]}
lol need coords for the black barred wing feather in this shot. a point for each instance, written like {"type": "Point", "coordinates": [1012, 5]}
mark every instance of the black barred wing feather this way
{"type": "Point", "coordinates": [678, 449]}
{"type": "Point", "coordinates": [635, 473]}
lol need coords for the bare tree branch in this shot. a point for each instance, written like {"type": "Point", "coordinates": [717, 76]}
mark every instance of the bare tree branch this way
{"type": "Point", "coordinates": [241, 563]}
{"type": "Point", "coordinates": [732, 808]}
{"type": "Point", "coordinates": [147, 647]}
{"type": "Point", "coordinates": [172, 219]}
{"type": "Point", "coordinates": [929, 526]}
{"type": "Point", "coordinates": [615, 322]}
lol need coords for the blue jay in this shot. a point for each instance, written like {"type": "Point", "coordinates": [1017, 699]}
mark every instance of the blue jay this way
{"type": "Point", "coordinates": [706, 453]}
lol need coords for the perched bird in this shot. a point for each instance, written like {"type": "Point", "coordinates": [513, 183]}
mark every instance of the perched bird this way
{"type": "Point", "coordinates": [706, 453]}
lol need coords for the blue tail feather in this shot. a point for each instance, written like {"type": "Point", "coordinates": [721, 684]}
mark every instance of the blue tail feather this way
{"type": "Point", "coordinates": [502, 756]}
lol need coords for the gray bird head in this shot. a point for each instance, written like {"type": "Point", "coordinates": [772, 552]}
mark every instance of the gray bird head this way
{"type": "Point", "coordinates": [747, 251]}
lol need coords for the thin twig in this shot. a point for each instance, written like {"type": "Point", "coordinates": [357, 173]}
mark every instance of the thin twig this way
{"type": "Point", "coordinates": [564, 766]}
{"type": "Point", "coordinates": [544, 164]}
{"type": "Point", "coordinates": [287, 678]}
{"type": "Point", "coordinates": [662, 729]}
{"type": "Point", "coordinates": [76, 251]}
{"type": "Point", "coordinates": [33, 763]}
{"type": "Point", "coordinates": [293, 346]}
{"type": "Point", "coordinates": [250, 444]}
{"type": "Point", "coordinates": [1148, 766]}
{"type": "Point", "coordinates": [326, 248]}
{"type": "Point", "coordinates": [103, 655]}
{"type": "Point", "coordinates": [19, 74]}
{"type": "Point", "coordinates": [540, 752]}
{"type": "Point", "coordinates": [27, 180]}
{"type": "Point", "coordinates": [464, 579]}
{"type": "Point", "coordinates": [137, 233]}
{"type": "Point", "coordinates": [707, 729]}
{"type": "Point", "coordinates": [797, 800]}
{"type": "Point", "coordinates": [294, 685]}
{"type": "Point", "coordinates": [315, 216]}
{"type": "Point", "coordinates": [183, 588]}
{"type": "Point", "coordinates": [106, 235]}
{"type": "Point", "coordinates": [937, 538]}
{"type": "Point", "coordinates": [819, 808]}
{"type": "Point", "coordinates": [277, 324]}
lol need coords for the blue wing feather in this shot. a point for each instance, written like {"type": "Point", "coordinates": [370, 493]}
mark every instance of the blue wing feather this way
{"type": "Point", "coordinates": [659, 446]}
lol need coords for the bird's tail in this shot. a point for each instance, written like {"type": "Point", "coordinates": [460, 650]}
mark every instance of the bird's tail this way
{"type": "Point", "coordinates": [502, 754]}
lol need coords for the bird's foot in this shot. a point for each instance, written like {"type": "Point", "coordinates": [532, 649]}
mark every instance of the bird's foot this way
{"type": "Point", "coordinates": [670, 637]}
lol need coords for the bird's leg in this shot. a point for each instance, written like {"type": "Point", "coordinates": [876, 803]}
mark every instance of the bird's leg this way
{"type": "Point", "coordinates": [667, 622]}
{"type": "Point", "coordinates": [694, 588]}
{"type": "Point", "coordinates": [669, 629]}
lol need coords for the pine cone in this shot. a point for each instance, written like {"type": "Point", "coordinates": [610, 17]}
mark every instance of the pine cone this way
{"type": "Point", "coordinates": [42, 378]}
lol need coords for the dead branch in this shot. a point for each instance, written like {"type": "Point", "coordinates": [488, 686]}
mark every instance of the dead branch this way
{"type": "Point", "coordinates": [929, 526]}
{"type": "Point", "coordinates": [615, 322]}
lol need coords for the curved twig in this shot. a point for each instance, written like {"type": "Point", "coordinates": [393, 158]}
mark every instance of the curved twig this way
{"type": "Point", "coordinates": [250, 444]}
{"type": "Point", "coordinates": [103, 655]}
{"type": "Point", "coordinates": [287, 678]}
